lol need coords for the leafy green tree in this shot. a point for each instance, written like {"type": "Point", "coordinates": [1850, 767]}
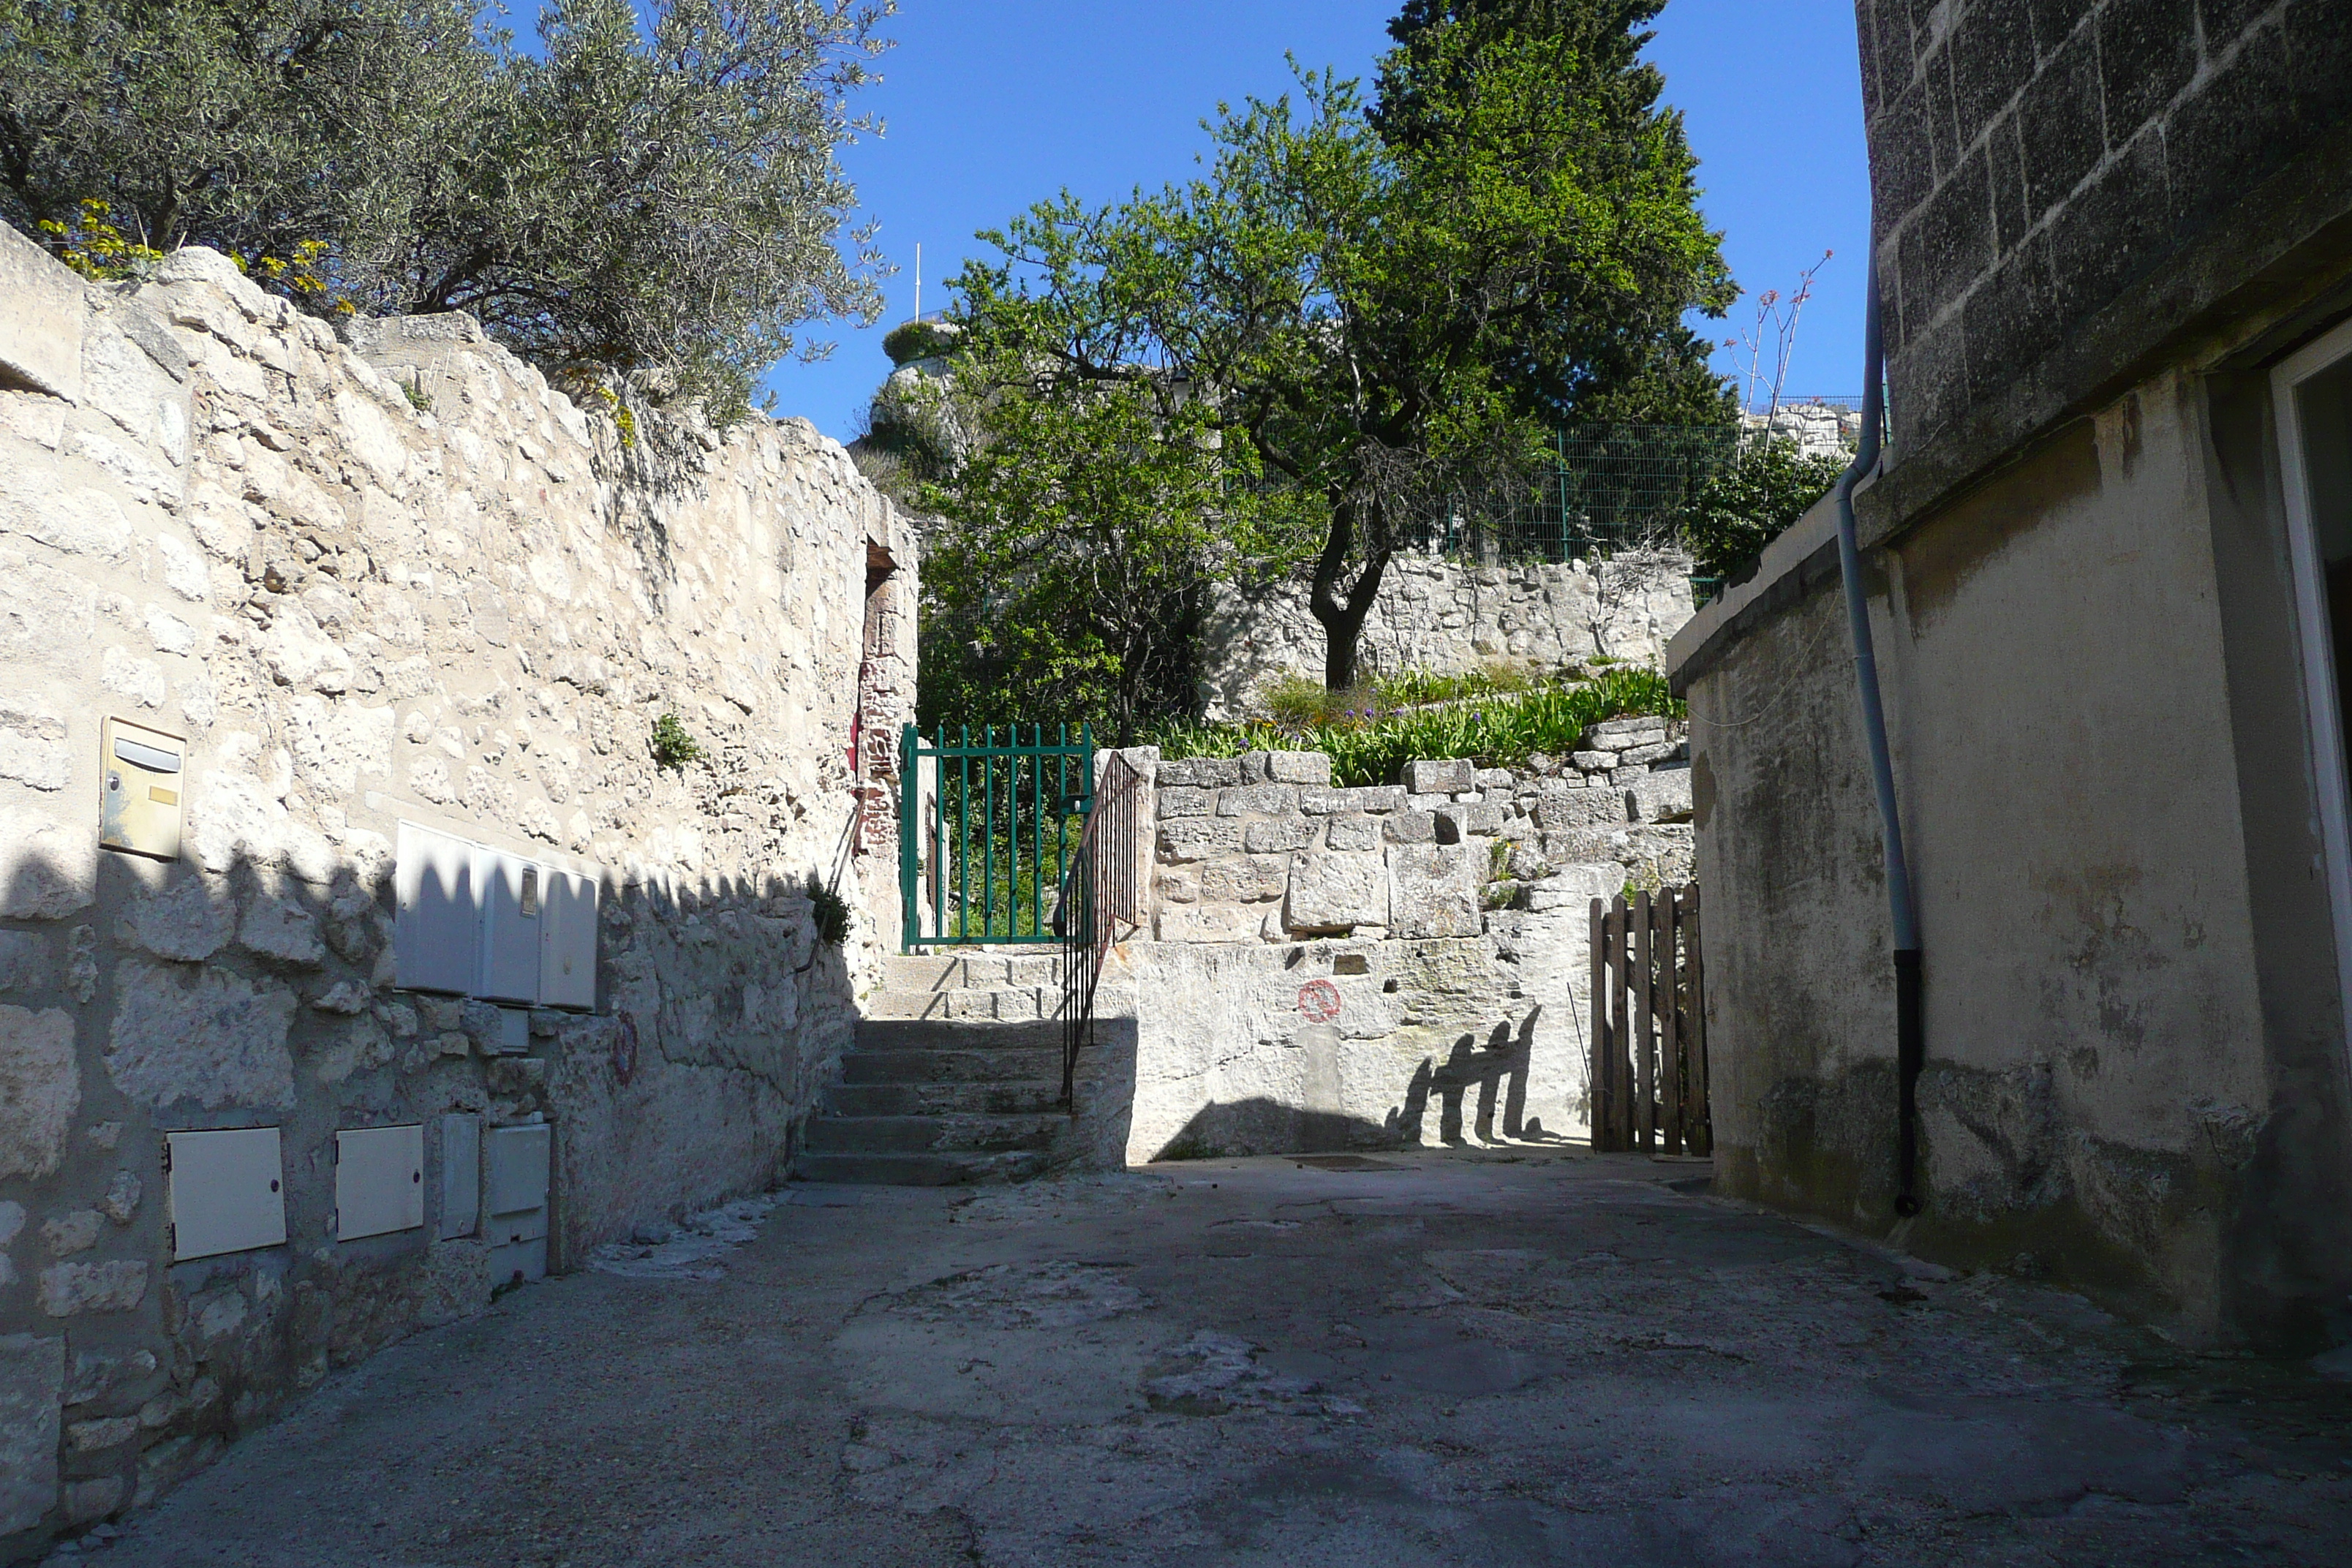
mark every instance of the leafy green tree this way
{"type": "Point", "coordinates": [1075, 542]}
{"type": "Point", "coordinates": [655, 194]}
{"type": "Point", "coordinates": [1751, 500]}
{"type": "Point", "coordinates": [1378, 324]}
{"type": "Point", "coordinates": [1638, 363]}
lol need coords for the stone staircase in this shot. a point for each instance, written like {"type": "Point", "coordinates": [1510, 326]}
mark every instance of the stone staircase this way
{"type": "Point", "coordinates": [956, 1076]}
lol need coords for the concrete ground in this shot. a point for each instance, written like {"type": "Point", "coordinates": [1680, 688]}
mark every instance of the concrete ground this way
{"type": "Point", "coordinates": [1425, 1359]}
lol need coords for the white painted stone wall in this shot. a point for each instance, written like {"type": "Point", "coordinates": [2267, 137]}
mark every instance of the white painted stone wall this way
{"type": "Point", "coordinates": [1449, 617]}
{"type": "Point", "coordinates": [1390, 965]}
{"type": "Point", "coordinates": [396, 578]}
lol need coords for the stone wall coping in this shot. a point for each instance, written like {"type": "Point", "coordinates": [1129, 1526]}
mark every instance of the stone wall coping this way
{"type": "Point", "coordinates": [1791, 564]}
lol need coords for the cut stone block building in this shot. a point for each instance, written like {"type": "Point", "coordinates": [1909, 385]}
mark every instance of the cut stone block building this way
{"type": "Point", "coordinates": [2104, 554]}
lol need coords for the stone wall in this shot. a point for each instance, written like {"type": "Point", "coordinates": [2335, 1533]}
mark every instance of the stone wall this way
{"type": "Point", "coordinates": [1380, 966]}
{"type": "Point", "coordinates": [2065, 191]}
{"type": "Point", "coordinates": [1445, 616]}
{"type": "Point", "coordinates": [392, 579]}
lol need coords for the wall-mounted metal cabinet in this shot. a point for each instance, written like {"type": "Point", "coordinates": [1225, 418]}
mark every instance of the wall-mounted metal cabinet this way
{"type": "Point", "coordinates": [478, 921]}
{"type": "Point", "coordinates": [378, 1180]}
{"type": "Point", "coordinates": [461, 1176]}
{"type": "Point", "coordinates": [226, 1192]}
{"type": "Point", "coordinates": [567, 942]}
{"type": "Point", "coordinates": [515, 1163]}
{"type": "Point", "coordinates": [511, 906]}
{"type": "Point", "coordinates": [436, 940]}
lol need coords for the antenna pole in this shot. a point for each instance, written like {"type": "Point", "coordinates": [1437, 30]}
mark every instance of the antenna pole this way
{"type": "Point", "coordinates": [918, 279]}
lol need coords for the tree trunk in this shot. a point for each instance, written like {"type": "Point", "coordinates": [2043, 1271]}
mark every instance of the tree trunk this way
{"type": "Point", "coordinates": [1342, 614]}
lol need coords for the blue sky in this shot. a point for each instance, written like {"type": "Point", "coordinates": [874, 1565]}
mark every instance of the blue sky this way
{"type": "Point", "coordinates": [990, 105]}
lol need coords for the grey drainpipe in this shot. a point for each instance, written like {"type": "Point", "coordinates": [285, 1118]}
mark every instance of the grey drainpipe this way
{"type": "Point", "coordinates": [1910, 1043]}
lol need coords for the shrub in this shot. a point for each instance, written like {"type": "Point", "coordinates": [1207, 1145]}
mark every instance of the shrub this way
{"type": "Point", "coordinates": [1372, 748]}
{"type": "Point", "coordinates": [672, 745]}
{"type": "Point", "coordinates": [830, 912]}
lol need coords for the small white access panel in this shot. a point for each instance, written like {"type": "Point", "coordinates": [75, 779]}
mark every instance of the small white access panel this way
{"type": "Point", "coordinates": [378, 1180]}
{"type": "Point", "coordinates": [226, 1192]}
{"type": "Point", "coordinates": [461, 1176]}
{"type": "Point", "coordinates": [567, 941]}
{"type": "Point", "coordinates": [514, 1190]}
{"type": "Point", "coordinates": [437, 934]}
{"type": "Point", "coordinates": [509, 891]}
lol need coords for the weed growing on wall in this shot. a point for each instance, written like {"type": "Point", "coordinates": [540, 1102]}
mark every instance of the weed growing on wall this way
{"type": "Point", "coordinates": [831, 913]}
{"type": "Point", "coordinates": [672, 745]}
{"type": "Point", "coordinates": [1371, 745]}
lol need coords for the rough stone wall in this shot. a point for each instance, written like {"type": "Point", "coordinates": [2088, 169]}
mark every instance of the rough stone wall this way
{"type": "Point", "coordinates": [1441, 615]}
{"type": "Point", "coordinates": [396, 578]}
{"type": "Point", "coordinates": [1341, 968]}
{"type": "Point", "coordinates": [2033, 160]}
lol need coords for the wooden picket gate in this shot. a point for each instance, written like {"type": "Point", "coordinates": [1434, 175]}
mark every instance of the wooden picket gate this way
{"type": "Point", "coordinates": [1649, 1029]}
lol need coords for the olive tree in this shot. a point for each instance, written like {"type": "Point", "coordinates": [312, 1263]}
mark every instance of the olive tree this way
{"type": "Point", "coordinates": [656, 191]}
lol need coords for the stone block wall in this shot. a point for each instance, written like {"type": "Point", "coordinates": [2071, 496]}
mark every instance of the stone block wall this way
{"type": "Point", "coordinates": [1445, 616]}
{"type": "Point", "coordinates": [393, 578]}
{"type": "Point", "coordinates": [2033, 161]}
{"type": "Point", "coordinates": [1375, 966]}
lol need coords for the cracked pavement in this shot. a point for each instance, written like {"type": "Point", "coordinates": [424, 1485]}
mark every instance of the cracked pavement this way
{"type": "Point", "coordinates": [1427, 1358]}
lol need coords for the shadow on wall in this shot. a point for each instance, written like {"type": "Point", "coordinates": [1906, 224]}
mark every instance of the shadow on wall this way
{"type": "Point", "coordinates": [1489, 1080]}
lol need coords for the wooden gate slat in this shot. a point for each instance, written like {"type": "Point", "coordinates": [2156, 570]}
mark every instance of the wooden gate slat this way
{"type": "Point", "coordinates": [1645, 1037]}
{"type": "Point", "coordinates": [1598, 1080]}
{"type": "Point", "coordinates": [1702, 1118]}
{"type": "Point", "coordinates": [1670, 1062]}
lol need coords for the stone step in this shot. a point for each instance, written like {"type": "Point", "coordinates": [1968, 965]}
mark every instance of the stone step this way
{"type": "Point", "coordinates": [1021, 1064]}
{"type": "Point", "coordinates": [928, 1169]}
{"type": "Point", "coordinates": [1030, 1097]}
{"type": "Point", "coordinates": [995, 969]}
{"type": "Point", "coordinates": [934, 1134]}
{"type": "Point", "coordinates": [1035, 1002]}
{"type": "Point", "coordinates": [957, 1034]}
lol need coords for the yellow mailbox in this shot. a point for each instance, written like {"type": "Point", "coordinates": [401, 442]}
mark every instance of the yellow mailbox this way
{"type": "Point", "coordinates": [140, 783]}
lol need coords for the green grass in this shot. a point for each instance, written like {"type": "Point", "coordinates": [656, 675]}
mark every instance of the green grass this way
{"type": "Point", "coordinates": [1370, 744]}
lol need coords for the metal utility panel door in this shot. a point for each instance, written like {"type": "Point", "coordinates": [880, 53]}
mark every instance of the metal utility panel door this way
{"type": "Point", "coordinates": [461, 1176]}
{"type": "Point", "coordinates": [510, 888]}
{"type": "Point", "coordinates": [514, 1189]}
{"type": "Point", "coordinates": [437, 932]}
{"type": "Point", "coordinates": [567, 941]}
{"type": "Point", "coordinates": [226, 1192]}
{"type": "Point", "coordinates": [378, 1180]}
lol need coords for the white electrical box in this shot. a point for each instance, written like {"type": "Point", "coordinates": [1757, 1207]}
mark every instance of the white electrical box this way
{"type": "Point", "coordinates": [567, 941]}
{"type": "Point", "coordinates": [514, 1198]}
{"type": "Point", "coordinates": [437, 933]}
{"type": "Point", "coordinates": [461, 1176]}
{"type": "Point", "coordinates": [478, 921]}
{"type": "Point", "coordinates": [226, 1192]}
{"type": "Point", "coordinates": [378, 1180]}
{"type": "Point", "coordinates": [140, 786]}
{"type": "Point", "coordinates": [509, 891]}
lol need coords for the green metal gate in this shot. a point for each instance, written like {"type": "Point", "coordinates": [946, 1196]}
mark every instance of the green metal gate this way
{"type": "Point", "coordinates": [988, 831]}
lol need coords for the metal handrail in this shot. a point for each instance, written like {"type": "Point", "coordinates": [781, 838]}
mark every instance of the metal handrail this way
{"type": "Point", "coordinates": [1100, 901]}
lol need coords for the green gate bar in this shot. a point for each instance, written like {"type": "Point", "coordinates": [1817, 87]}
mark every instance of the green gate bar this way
{"type": "Point", "coordinates": [1010, 820]}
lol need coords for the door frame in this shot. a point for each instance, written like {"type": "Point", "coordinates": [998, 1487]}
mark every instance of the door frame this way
{"type": "Point", "coordinates": [2316, 635]}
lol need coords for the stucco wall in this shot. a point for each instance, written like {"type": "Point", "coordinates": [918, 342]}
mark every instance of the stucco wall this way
{"type": "Point", "coordinates": [410, 582]}
{"type": "Point", "coordinates": [1448, 618]}
{"type": "Point", "coordinates": [2103, 1048]}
